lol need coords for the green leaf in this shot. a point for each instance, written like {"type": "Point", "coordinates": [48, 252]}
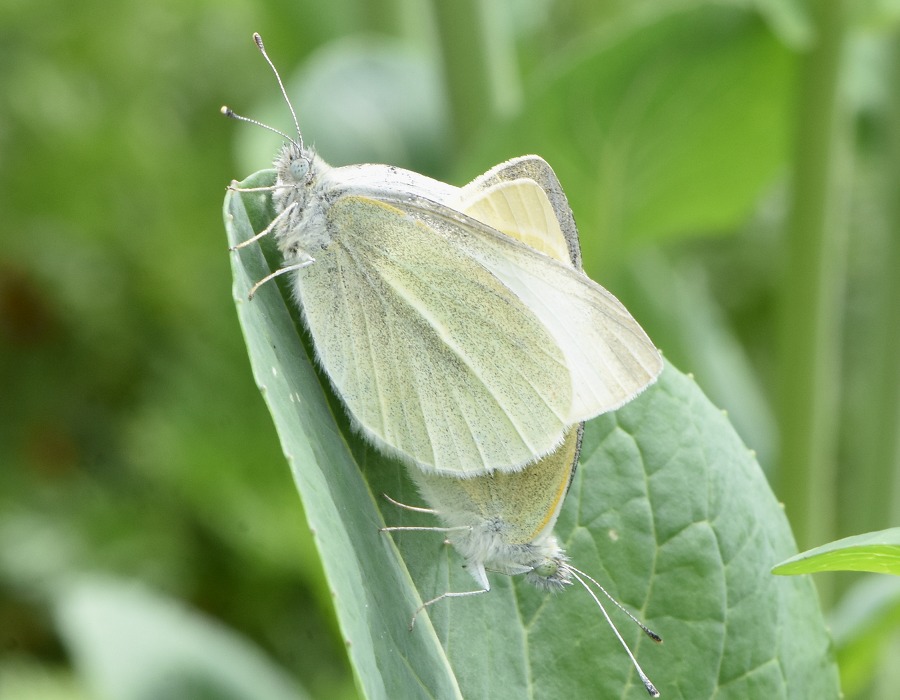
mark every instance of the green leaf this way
{"type": "Point", "coordinates": [373, 593]}
{"type": "Point", "coordinates": [132, 644]}
{"type": "Point", "coordinates": [671, 128]}
{"type": "Point", "coordinates": [878, 552]}
{"type": "Point", "coordinates": [669, 510]}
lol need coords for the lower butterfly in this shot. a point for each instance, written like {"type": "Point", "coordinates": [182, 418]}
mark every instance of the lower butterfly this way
{"type": "Point", "coordinates": [503, 522]}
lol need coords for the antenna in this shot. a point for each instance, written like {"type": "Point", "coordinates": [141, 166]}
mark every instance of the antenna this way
{"type": "Point", "coordinates": [262, 49]}
{"type": "Point", "coordinates": [577, 573]}
{"type": "Point", "coordinates": [649, 632]}
{"type": "Point", "coordinates": [416, 509]}
{"type": "Point", "coordinates": [231, 114]}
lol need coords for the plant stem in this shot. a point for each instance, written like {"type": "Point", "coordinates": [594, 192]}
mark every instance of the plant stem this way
{"type": "Point", "coordinates": [479, 63]}
{"type": "Point", "coordinates": [887, 447]}
{"type": "Point", "coordinates": [811, 294]}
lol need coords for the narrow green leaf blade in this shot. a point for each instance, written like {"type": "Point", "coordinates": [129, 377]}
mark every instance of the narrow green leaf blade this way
{"type": "Point", "coordinates": [373, 593]}
{"type": "Point", "coordinates": [878, 552]}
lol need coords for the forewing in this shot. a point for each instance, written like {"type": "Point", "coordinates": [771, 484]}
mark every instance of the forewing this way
{"type": "Point", "coordinates": [610, 358]}
{"type": "Point", "coordinates": [435, 358]}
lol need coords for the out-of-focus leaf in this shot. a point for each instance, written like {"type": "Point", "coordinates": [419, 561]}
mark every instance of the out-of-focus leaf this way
{"type": "Point", "coordinates": [878, 552]}
{"type": "Point", "coordinates": [27, 680]}
{"type": "Point", "coordinates": [667, 130]}
{"type": "Point", "coordinates": [875, 15]}
{"type": "Point", "coordinates": [675, 300]}
{"type": "Point", "coordinates": [132, 644]}
{"type": "Point", "coordinates": [790, 20]}
{"type": "Point", "coordinates": [864, 621]}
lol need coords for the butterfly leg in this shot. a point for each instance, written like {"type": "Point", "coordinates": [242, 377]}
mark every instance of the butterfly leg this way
{"type": "Point", "coordinates": [442, 596]}
{"type": "Point", "coordinates": [416, 509]}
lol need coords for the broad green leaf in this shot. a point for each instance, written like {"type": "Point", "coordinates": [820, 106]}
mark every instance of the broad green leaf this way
{"type": "Point", "coordinates": [669, 510]}
{"type": "Point", "coordinates": [878, 552]}
{"type": "Point", "coordinates": [672, 128]}
{"type": "Point", "coordinates": [674, 298]}
{"type": "Point", "coordinates": [129, 643]}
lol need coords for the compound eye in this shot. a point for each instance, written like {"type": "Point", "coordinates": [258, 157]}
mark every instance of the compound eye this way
{"type": "Point", "coordinates": [299, 168]}
{"type": "Point", "coordinates": [547, 568]}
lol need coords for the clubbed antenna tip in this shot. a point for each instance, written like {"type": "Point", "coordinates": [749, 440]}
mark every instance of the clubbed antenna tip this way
{"type": "Point", "coordinates": [262, 49]}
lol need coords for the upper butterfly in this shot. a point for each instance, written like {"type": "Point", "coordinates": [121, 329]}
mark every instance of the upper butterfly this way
{"type": "Point", "coordinates": [454, 345]}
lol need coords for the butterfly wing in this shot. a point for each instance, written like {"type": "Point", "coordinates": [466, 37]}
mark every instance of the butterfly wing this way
{"type": "Point", "coordinates": [517, 198]}
{"type": "Point", "coordinates": [476, 355]}
{"type": "Point", "coordinates": [518, 209]}
{"type": "Point", "coordinates": [522, 199]}
{"type": "Point", "coordinates": [436, 359]}
{"type": "Point", "coordinates": [536, 171]}
{"type": "Point", "coordinates": [610, 358]}
{"type": "Point", "coordinates": [507, 513]}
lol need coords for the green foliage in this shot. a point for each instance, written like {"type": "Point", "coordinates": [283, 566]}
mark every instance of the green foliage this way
{"type": "Point", "coordinates": [134, 441]}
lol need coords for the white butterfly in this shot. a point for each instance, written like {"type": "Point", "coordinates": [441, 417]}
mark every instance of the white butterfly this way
{"type": "Point", "coordinates": [453, 345]}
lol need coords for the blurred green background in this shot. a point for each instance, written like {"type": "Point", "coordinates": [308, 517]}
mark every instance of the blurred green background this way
{"type": "Point", "coordinates": [734, 168]}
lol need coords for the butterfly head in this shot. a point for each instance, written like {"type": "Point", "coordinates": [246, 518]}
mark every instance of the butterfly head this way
{"type": "Point", "coordinates": [551, 573]}
{"type": "Point", "coordinates": [294, 165]}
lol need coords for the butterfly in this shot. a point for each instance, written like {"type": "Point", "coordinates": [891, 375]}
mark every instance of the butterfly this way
{"type": "Point", "coordinates": [454, 340]}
